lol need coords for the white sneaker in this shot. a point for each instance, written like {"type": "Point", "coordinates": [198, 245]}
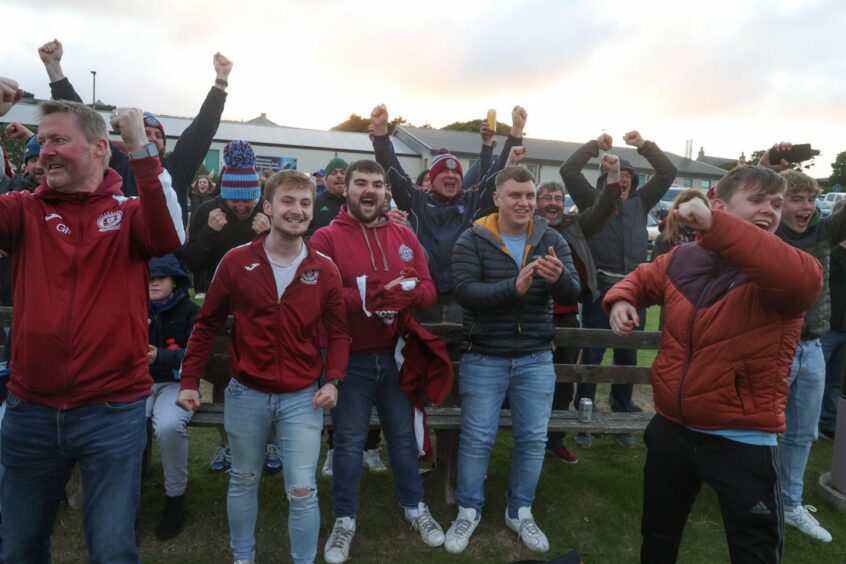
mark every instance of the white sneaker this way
{"type": "Point", "coordinates": [423, 522]}
{"type": "Point", "coordinates": [800, 518]}
{"type": "Point", "coordinates": [373, 461]}
{"type": "Point", "coordinates": [243, 561]}
{"type": "Point", "coordinates": [327, 464]}
{"type": "Point", "coordinates": [459, 533]}
{"type": "Point", "coordinates": [526, 529]}
{"type": "Point", "coordinates": [337, 547]}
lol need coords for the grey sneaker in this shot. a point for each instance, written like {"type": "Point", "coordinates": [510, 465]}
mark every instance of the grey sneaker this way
{"type": "Point", "coordinates": [459, 533]}
{"type": "Point", "coordinates": [244, 561]}
{"type": "Point", "coordinates": [526, 529]}
{"type": "Point", "coordinates": [372, 460]}
{"type": "Point", "coordinates": [431, 533]}
{"type": "Point", "coordinates": [222, 460]}
{"type": "Point", "coordinates": [800, 517]}
{"type": "Point", "coordinates": [337, 547]}
{"type": "Point", "coordinates": [626, 441]}
{"type": "Point", "coordinates": [327, 464]}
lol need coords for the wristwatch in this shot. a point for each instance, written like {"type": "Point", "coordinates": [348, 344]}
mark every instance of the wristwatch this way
{"type": "Point", "coordinates": [335, 382]}
{"type": "Point", "coordinates": [148, 150]}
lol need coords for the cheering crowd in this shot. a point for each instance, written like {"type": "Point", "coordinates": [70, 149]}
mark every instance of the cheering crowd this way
{"type": "Point", "coordinates": [326, 287]}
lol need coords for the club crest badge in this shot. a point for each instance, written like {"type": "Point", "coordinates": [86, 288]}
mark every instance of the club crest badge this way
{"type": "Point", "coordinates": [406, 253]}
{"type": "Point", "coordinates": [109, 221]}
{"type": "Point", "coordinates": [309, 277]}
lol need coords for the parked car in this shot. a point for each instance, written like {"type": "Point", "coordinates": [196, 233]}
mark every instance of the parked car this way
{"type": "Point", "coordinates": [826, 202]}
{"type": "Point", "coordinates": [663, 205]}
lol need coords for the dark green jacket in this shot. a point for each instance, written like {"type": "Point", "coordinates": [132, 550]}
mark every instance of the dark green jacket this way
{"type": "Point", "coordinates": [817, 240]}
{"type": "Point", "coordinates": [497, 321]}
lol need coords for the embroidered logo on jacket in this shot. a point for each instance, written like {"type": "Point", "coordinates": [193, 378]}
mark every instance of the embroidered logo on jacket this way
{"type": "Point", "coordinates": [251, 267]}
{"type": "Point", "coordinates": [310, 277]}
{"type": "Point", "coordinates": [109, 221]}
{"type": "Point", "coordinates": [406, 253]}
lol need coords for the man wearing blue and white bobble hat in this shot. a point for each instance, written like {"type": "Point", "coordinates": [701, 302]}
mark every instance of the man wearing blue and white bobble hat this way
{"type": "Point", "coordinates": [230, 220]}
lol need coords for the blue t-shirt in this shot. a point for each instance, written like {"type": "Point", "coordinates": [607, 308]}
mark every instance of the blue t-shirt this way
{"type": "Point", "coordinates": [516, 246]}
{"type": "Point", "coordinates": [745, 436]}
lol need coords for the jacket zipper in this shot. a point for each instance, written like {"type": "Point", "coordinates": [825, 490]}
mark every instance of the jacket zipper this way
{"type": "Point", "coordinates": [68, 317]}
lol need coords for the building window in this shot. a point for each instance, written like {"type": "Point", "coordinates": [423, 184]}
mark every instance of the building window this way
{"type": "Point", "coordinates": [534, 169]}
{"type": "Point", "coordinates": [687, 182]}
{"type": "Point", "coordinates": [704, 185]}
{"type": "Point", "coordinates": [642, 179]}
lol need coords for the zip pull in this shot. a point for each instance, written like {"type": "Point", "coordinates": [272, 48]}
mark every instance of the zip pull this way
{"type": "Point", "coordinates": [519, 327]}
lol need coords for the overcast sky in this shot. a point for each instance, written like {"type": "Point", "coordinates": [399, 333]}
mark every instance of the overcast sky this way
{"type": "Point", "coordinates": [730, 75]}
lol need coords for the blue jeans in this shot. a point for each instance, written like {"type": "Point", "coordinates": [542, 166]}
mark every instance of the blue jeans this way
{"type": "Point", "coordinates": [40, 446]}
{"type": "Point", "coordinates": [373, 379]}
{"type": "Point", "coordinates": [248, 416]}
{"type": "Point", "coordinates": [484, 381]}
{"type": "Point", "coordinates": [594, 317]}
{"type": "Point", "coordinates": [834, 353]}
{"type": "Point", "coordinates": [806, 381]}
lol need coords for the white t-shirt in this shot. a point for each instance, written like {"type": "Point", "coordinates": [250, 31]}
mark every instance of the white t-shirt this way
{"type": "Point", "coordinates": [284, 273]}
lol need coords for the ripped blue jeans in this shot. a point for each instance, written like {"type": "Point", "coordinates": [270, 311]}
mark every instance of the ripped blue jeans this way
{"type": "Point", "coordinates": [248, 416]}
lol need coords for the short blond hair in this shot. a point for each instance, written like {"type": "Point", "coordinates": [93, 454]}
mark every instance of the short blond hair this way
{"type": "Point", "coordinates": [290, 178]}
{"type": "Point", "coordinates": [800, 183]}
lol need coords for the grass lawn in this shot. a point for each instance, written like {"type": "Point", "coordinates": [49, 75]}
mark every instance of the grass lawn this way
{"type": "Point", "coordinates": [593, 507]}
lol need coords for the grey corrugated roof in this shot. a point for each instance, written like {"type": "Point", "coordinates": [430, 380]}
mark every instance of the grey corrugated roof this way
{"type": "Point", "coordinates": [254, 134]}
{"type": "Point", "coordinates": [715, 161]}
{"type": "Point", "coordinates": [468, 143]}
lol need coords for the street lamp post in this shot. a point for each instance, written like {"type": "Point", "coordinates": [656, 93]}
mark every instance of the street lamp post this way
{"type": "Point", "coordinates": [93, 88]}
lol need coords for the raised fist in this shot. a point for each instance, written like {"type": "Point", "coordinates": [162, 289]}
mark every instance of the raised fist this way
{"type": "Point", "coordinates": [260, 223]}
{"type": "Point", "coordinates": [518, 121]}
{"type": "Point", "coordinates": [612, 167]}
{"type": "Point", "coordinates": [379, 119]}
{"type": "Point", "coordinates": [10, 93]}
{"type": "Point", "coordinates": [695, 214]}
{"type": "Point", "coordinates": [129, 122]}
{"type": "Point", "coordinates": [634, 139]}
{"type": "Point", "coordinates": [16, 131]}
{"type": "Point", "coordinates": [217, 219]}
{"type": "Point", "coordinates": [516, 155]}
{"type": "Point", "coordinates": [222, 66]}
{"type": "Point", "coordinates": [604, 141]}
{"type": "Point", "coordinates": [51, 52]}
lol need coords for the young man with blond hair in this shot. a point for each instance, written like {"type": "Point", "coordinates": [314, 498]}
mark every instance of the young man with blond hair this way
{"type": "Point", "coordinates": [278, 290]}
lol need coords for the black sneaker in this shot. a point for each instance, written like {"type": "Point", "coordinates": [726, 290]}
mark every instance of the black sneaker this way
{"type": "Point", "coordinates": [173, 518]}
{"type": "Point", "coordinates": [827, 434]}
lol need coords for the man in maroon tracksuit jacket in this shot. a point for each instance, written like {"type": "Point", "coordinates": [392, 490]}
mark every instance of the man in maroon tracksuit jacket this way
{"type": "Point", "coordinates": [279, 291]}
{"type": "Point", "coordinates": [79, 377]}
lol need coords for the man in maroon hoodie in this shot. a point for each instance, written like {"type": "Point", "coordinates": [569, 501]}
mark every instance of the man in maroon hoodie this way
{"type": "Point", "coordinates": [79, 378]}
{"type": "Point", "coordinates": [279, 291]}
{"type": "Point", "coordinates": [384, 273]}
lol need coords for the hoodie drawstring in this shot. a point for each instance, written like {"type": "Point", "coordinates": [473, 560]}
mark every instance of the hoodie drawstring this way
{"type": "Point", "coordinates": [379, 244]}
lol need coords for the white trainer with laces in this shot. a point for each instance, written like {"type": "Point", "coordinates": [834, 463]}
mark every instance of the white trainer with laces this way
{"type": "Point", "coordinates": [337, 547]}
{"type": "Point", "coordinates": [800, 517]}
{"type": "Point", "coordinates": [422, 521]}
{"type": "Point", "coordinates": [372, 460]}
{"type": "Point", "coordinates": [527, 530]}
{"type": "Point", "coordinates": [459, 533]}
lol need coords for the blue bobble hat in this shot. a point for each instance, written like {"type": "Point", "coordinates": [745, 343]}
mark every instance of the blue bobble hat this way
{"type": "Point", "coordinates": [239, 180]}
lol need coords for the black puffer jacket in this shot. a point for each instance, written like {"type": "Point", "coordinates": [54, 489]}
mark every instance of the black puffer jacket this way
{"type": "Point", "coordinates": [497, 321]}
{"type": "Point", "coordinates": [622, 245]}
{"type": "Point", "coordinates": [205, 246]}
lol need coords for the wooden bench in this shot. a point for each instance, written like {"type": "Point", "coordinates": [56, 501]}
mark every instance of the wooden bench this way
{"type": "Point", "coordinates": [445, 419]}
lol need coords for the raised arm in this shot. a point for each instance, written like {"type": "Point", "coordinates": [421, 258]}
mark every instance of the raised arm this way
{"type": "Point", "coordinates": [577, 185]}
{"type": "Point", "coordinates": [402, 187]}
{"type": "Point", "coordinates": [512, 153]}
{"type": "Point", "coordinates": [157, 227]}
{"type": "Point", "coordinates": [593, 219]}
{"type": "Point", "coordinates": [60, 87]}
{"type": "Point", "coordinates": [480, 167]}
{"type": "Point", "coordinates": [665, 171]}
{"type": "Point", "coordinates": [193, 145]}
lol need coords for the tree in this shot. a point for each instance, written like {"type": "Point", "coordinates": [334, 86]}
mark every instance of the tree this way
{"type": "Point", "coordinates": [359, 124]}
{"type": "Point", "coordinates": [756, 156]}
{"type": "Point", "coordinates": [838, 170]}
{"type": "Point", "coordinates": [474, 125]}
